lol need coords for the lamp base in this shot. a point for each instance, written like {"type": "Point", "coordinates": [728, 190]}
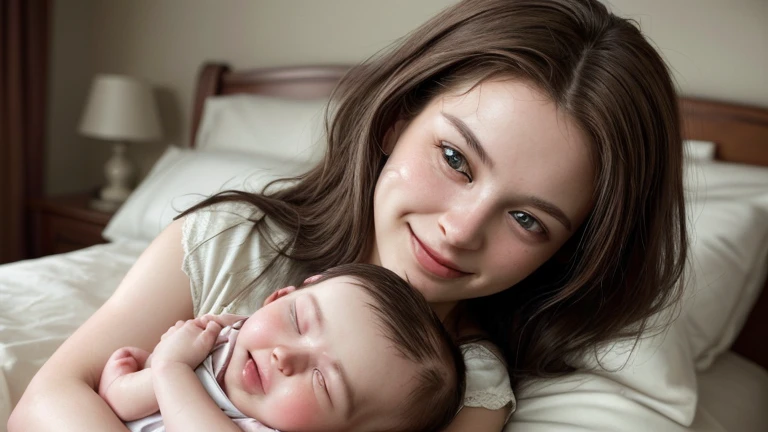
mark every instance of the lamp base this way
{"type": "Point", "coordinates": [115, 193]}
{"type": "Point", "coordinates": [119, 173]}
{"type": "Point", "coordinates": [103, 205]}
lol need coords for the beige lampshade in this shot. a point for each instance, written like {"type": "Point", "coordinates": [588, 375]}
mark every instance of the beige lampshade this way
{"type": "Point", "coordinates": [120, 108]}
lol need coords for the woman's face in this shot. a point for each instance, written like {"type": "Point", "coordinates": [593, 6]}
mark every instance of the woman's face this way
{"type": "Point", "coordinates": [480, 189]}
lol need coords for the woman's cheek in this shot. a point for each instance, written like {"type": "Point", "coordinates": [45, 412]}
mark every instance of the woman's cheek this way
{"type": "Point", "coordinates": [526, 260]}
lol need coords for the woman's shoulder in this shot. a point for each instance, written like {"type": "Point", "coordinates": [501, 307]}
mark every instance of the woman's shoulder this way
{"type": "Point", "coordinates": [487, 380]}
{"type": "Point", "coordinates": [217, 231]}
{"type": "Point", "coordinates": [223, 254]}
{"type": "Point", "coordinates": [208, 222]}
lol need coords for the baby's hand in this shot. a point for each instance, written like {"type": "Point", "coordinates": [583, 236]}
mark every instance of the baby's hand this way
{"type": "Point", "coordinates": [222, 319]}
{"type": "Point", "coordinates": [187, 342]}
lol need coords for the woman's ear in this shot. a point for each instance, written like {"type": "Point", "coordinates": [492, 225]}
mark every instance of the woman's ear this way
{"type": "Point", "coordinates": [392, 135]}
{"type": "Point", "coordinates": [282, 292]}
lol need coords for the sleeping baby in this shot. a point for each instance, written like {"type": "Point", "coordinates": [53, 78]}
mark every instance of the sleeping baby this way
{"type": "Point", "coordinates": [355, 349]}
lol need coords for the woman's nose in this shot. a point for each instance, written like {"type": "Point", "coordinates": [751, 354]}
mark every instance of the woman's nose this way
{"type": "Point", "coordinates": [290, 360]}
{"type": "Point", "coordinates": [464, 226]}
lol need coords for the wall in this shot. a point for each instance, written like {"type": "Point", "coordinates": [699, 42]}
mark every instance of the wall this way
{"type": "Point", "coordinates": [716, 49]}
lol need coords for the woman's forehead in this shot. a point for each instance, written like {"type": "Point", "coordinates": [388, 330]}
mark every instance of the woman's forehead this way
{"type": "Point", "coordinates": [493, 97]}
{"type": "Point", "coordinates": [509, 111]}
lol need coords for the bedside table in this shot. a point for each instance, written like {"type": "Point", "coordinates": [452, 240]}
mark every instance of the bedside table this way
{"type": "Point", "coordinates": [65, 223]}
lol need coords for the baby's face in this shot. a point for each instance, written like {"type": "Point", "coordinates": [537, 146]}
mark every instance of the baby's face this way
{"type": "Point", "coordinates": [317, 360]}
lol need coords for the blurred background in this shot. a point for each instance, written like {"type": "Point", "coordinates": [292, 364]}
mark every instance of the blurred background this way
{"type": "Point", "coordinates": [716, 49]}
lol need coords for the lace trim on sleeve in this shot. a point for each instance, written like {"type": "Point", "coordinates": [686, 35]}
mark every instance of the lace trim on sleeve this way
{"type": "Point", "coordinates": [490, 401]}
{"type": "Point", "coordinates": [487, 380]}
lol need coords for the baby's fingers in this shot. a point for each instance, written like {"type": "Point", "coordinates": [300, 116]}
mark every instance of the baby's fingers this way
{"type": "Point", "coordinates": [210, 334]}
{"type": "Point", "coordinates": [222, 320]}
{"type": "Point", "coordinates": [212, 327]}
{"type": "Point", "coordinates": [202, 321]}
{"type": "Point", "coordinates": [171, 330]}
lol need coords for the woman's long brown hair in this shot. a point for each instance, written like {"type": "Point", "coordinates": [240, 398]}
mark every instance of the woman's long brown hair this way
{"type": "Point", "coordinates": [623, 265]}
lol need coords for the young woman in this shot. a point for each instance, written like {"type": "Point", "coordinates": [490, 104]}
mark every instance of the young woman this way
{"type": "Point", "coordinates": [518, 161]}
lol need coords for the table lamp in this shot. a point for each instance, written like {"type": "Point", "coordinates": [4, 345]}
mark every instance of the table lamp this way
{"type": "Point", "coordinates": [120, 109]}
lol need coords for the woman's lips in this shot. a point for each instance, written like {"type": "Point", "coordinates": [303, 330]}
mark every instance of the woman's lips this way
{"type": "Point", "coordinates": [434, 263]}
{"type": "Point", "coordinates": [252, 380]}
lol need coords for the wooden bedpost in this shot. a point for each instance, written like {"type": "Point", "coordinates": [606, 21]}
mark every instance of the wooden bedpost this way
{"type": "Point", "coordinates": [209, 80]}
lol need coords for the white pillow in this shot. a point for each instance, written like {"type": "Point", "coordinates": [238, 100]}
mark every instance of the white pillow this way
{"type": "Point", "coordinates": [183, 177]}
{"type": "Point", "coordinates": [291, 130]}
{"type": "Point", "coordinates": [727, 207]}
{"type": "Point", "coordinates": [652, 382]}
{"type": "Point", "coordinates": [699, 150]}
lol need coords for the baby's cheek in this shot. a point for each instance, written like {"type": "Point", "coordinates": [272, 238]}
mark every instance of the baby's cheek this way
{"type": "Point", "coordinates": [300, 413]}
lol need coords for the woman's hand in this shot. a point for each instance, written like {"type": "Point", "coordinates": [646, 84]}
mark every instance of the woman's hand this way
{"type": "Point", "coordinates": [188, 342]}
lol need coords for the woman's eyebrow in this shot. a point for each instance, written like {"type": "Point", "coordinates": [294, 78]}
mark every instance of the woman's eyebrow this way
{"type": "Point", "coordinates": [338, 367]}
{"type": "Point", "coordinates": [470, 138]}
{"type": "Point", "coordinates": [552, 210]}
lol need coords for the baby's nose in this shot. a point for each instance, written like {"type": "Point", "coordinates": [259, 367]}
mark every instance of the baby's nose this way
{"type": "Point", "coordinates": [290, 360]}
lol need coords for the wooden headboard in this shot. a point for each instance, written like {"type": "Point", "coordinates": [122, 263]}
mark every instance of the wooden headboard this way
{"type": "Point", "coordinates": [740, 132]}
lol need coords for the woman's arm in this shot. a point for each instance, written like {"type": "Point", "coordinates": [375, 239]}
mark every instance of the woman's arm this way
{"type": "Point", "coordinates": [153, 295]}
{"type": "Point", "coordinates": [471, 419]}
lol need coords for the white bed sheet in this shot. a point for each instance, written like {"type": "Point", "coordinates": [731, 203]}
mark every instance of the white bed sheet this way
{"type": "Point", "coordinates": [44, 300]}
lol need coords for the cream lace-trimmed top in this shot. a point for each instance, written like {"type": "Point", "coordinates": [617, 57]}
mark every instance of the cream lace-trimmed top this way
{"type": "Point", "coordinates": [222, 254]}
{"type": "Point", "coordinates": [487, 380]}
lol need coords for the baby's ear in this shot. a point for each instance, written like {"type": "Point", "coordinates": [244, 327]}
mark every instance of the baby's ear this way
{"type": "Point", "coordinates": [311, 279]}
{"type": "Point", "coordinates": [282, 292]}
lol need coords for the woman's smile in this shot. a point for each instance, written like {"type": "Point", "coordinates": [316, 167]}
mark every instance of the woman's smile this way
{"type": "Point", "coordinates": [434, 263]}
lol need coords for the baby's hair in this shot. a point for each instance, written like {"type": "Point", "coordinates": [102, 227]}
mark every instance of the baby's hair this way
{"type": "Point", "coordinates": [417, 333]}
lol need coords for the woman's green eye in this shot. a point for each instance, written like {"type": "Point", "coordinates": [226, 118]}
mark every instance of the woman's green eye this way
{"type": "Point", "coordinates": [527, 221]}
{"type": "Point", "coordinates": [455, 160]}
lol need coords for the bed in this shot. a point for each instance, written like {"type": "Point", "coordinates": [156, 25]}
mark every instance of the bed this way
{"type": "Point", "coordinates": [707, 373]}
